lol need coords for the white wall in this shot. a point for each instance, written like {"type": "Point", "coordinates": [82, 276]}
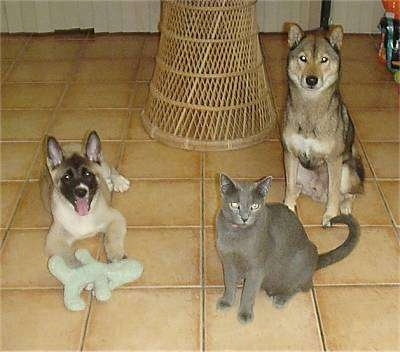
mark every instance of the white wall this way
{"type": "Point", "coordinates": [42, 16]}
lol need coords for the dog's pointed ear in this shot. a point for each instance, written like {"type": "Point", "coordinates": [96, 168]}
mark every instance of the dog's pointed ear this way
{"type": "Point", "coordinates": [295, 35]}
{"type": "Point", "coordinates": [226, 184]}
{"type": "Point", "coordinates": [263, 186]}
{"type": "Point", "coordinates": [93, 147]}
{"type": "Point", "coordinates": [54, 152]}
{"type": "Point", "coordinates": [336, 37]}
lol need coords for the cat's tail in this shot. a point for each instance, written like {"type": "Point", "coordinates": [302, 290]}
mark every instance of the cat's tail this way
{"type": "Point", "coordinates": [346, 247]}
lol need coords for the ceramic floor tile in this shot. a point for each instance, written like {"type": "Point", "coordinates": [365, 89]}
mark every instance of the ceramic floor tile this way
{"type": "Point", "coordinates": [97, 95]}
{"type": "Point", "coordinates": [370, 96]}
{"type": "Point", "coordinates": [213, 267]}
{"type": "Point", "coordinates": [27, 125]}
{"type": "Point", "coordinates": [172, 321]}
{"type": "Point", "coordinates": [391, 192]}
{"type": "Point", "coordinates": [31, 96]}
{"type": "Point", "coordinates": [359, 47]}
{"type": "Point", "coordinates": [38, 320]}
{"type": "Point", "coordinates": [25, 249]}
{"type": "Point", "coordinates": [31, 212]}
{"type": "Point", "coordinates": [212, 198]}
{"type": "Point", "coordinates": [107, 70]}
{"type": "Point", "coordinates": [375, 260]}
{"type": "Point", "coordinates": [52, 49]}
{"type": "Point", "coordinates": [12, 46]}
{"type": "Point", "coordinates": [160, 203]}
{"type": "Point", "coordinates": [368, 208]}
{"type": "Point", "coordinates": [277, 71]}
{"type": "Point", "coordinates": [151, 45]}
{"type": "Point", "coordinates": [16, 159]}
{"type": "Point", "coordinates": [10, 193]}
{"type": "Point", "coordinates": [110, 150]}
{"type": "Point", "coordinates": [280, 95]}
{"type": "Point", "coordinates": [360, 72]}
{"type": "Point", "coordinates": [360, 318]}
{"type": "Point", "coordinates": [293, 327]}
{"type": "Point", "coordinates": [261, 160]}
{"type": "Point", "coordinates": [377, 125]}
{"type": "Point", "coordinates": [3, 233]}
{"type": "Point", "coordinates": [140, 94]}
{"type": "Point", "coordinates": [146, 69]}
{"type": "Point", "coordinates": [41, 71]}
{"type": "Point", "coordinates": [108, 124]}
{"type": "Point", "coordinates": [155, 160]}
{"type": "Point", "coordinates": [136, 130]}
{"type": "Point", "coordinates": [385, 159]}
{"type": "Point", "coordinates": [4, 67]}
{"type": "Point", "coordinates": [113, 47]}
{"type": "Point", "coordinates": [163, 261]}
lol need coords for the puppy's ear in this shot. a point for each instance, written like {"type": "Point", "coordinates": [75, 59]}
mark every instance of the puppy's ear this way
{"type": "Point", "coordinates": [263, 186]}
{"type": "Point", "coordinates": [336, 37]}
{"type": "Point", "coordinates": [295, 35]}
{"type": "Point", "coordinates": [54, 152]}
{"type": "Point", "coordinates": [226, 184]}
{"type": "Point", "coordinates": [93, 147]}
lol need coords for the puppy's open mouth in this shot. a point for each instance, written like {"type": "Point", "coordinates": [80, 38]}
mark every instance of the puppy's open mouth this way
{"type": "Point", "coordinates": [82, 206]}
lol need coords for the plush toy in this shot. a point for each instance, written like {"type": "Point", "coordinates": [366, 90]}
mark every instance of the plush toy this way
{"type": "Point", "coordinates": [103, 277]}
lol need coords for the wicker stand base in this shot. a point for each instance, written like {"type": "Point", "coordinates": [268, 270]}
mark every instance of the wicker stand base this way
{"type": "Point", "coordinates": [209, 90]}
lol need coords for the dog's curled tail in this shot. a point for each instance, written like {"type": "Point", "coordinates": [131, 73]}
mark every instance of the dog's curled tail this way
{"type": "Point", "coordinates": [346, 247]}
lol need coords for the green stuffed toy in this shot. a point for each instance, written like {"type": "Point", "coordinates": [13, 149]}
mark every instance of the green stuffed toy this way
{"type": "Point", "coordinates": [103, 277]}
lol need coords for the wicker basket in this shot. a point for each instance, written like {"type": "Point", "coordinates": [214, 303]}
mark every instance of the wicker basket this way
{"type": "Point", "coordinates": [209, 90]}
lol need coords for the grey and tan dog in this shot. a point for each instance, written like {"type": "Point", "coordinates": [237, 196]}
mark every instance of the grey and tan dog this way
{"type": "Point", "coordinates": [76, 188]}
{"type": "Point", "coordinates": [321, 159]}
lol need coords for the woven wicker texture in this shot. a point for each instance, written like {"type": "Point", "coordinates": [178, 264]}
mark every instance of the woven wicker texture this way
{"type": "Point", "coordinates": [209, 90]}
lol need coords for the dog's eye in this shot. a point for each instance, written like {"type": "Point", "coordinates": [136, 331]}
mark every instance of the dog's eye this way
{"type": "Point", "coordinates": [303, 58]}
{"type": "Point", "coordinates": [86, 173]}
{"type": "Point", "coordinates": [234, 205]}
{"type": "Point", "coordinates": [67, 177]}
{"type": "Point", "coordinates": [324, 59]}
{"type": "Point", "coordinates": [254, 206]}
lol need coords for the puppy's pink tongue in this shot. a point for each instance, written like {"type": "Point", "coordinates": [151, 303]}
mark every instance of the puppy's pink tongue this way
{"type": "Point", "coordinates": [82, 206]}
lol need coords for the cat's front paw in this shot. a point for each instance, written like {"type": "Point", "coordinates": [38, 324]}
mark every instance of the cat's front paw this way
{"type": "Point", "coordinates": [120, 183]}
{"type": "Point", "coordinates": [223, 304]}
{"type": "Point", "coordinates": [279, 301]}
{"type": "Point", "coordinates": [245, 317]}
{"type": "Point", "coordinates": [326, 219]}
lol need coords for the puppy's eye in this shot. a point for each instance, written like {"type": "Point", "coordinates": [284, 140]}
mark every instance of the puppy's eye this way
{"type": "Point", "coordinates": [303, 58]}
{"type": "Point", "coordinates": [254, 206]}
{"type": "Point", "coordinates": [86, 173]}
{"type": "Point", "coordinates": [324, 59]}
{"type": "Point", "coordinates": [67, 177]}
{"type": "Point", "coordinates": [234, 205]}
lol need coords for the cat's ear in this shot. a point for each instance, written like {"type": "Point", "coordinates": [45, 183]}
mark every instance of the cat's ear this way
{"type": "Point", "coordinates": [226, 184]}
{"type": "Point", "coordinates": [93, 147]}
{"type": "Point", "coordinates": [263, 186]}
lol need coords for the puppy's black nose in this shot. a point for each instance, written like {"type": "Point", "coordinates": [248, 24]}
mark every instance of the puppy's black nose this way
{"type": "Point", "coordinates": [312, 80]}
{"type": "Point", "coordinates": [80, 192]}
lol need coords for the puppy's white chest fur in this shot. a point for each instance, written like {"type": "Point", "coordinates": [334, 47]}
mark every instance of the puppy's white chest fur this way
{"type": "Point", "coordinates": [309, 146]}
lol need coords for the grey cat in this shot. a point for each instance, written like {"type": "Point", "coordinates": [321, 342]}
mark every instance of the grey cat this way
{"type": "Point", "coordinates": [267, 246]}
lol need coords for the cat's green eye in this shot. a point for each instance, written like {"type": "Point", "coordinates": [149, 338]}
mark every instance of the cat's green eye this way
{"type": "Point", "coordinates": [234, 205]}
{"type": "Point", "coordinates": [255, 206]}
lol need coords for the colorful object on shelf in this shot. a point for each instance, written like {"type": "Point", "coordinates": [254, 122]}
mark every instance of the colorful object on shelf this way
{"type": "Point", "coordinates": [389, 51]}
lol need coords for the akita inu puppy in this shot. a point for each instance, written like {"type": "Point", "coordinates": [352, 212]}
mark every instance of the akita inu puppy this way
{"type": "Point", "coordinates": [76, 188]}
{"type": "Point", "coordinates": [321, 159]}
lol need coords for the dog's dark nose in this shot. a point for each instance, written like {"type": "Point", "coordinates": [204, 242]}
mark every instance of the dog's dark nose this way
{"type": "Point", "coordinates": [80, 192]}
{"type": "Point", "coordinates": [312, 80]}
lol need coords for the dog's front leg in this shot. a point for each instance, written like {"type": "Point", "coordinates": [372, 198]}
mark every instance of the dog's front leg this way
{"type": "Point", "coordinates": [292, 191]}
{"type": "Point", "coordinates": [115, 237]}
{"type": "Point", "coordinates": [59, 243]}
{"type": "Point", "coordinates": [334, 175]}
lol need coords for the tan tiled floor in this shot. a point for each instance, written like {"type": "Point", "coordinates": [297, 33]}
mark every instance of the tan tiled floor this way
{"type": "Point", "coordinates": [66, 85]}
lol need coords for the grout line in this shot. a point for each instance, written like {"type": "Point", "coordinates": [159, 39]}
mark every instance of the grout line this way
{"type": "Point", "coordinates": [203, 257]}
{"type": "Point", "coordinates": [319, 320]}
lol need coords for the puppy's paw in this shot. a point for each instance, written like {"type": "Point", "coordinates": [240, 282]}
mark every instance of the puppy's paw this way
{"type": "Point", "coordinates": [120, 183]}
{"type": "Point", "coordinates": [245, 317]}
{"type": "Point", "coordinates": [222, 304]}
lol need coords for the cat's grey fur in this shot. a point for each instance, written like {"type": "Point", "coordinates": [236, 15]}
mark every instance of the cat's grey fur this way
{"type": "Point", "coordinates": [267, 247]}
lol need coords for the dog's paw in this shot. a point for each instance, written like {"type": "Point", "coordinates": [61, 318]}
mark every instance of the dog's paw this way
{"type": "Point", "coordinates": [222, 304]}
{"type": "Point", "coordinates": [245, 317]}
{"type": "Point", "coordinates": [120, 183]}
